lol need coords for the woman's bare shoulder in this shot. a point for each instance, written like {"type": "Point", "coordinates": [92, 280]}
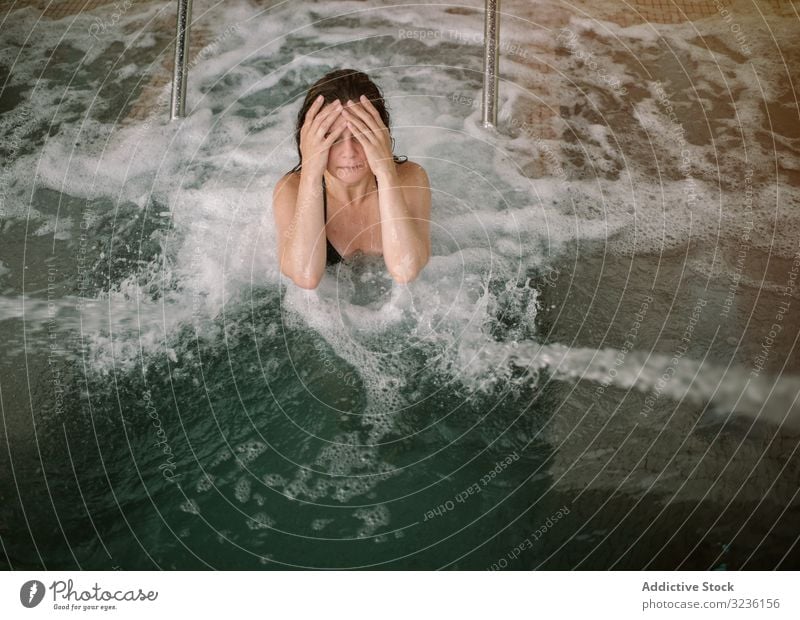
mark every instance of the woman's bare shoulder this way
{"type": "Point", "coordinates": [288, 182]}
{"type": "Point", "coordinates": [412, 171]}
{"type": "Point", "coordinates": [293, 178]}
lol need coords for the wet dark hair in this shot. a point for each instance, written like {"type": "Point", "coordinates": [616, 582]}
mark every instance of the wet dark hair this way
{"type": "Point", "coordinates": [343, 84]}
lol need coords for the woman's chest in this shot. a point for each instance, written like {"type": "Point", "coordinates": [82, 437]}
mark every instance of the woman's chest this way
{"type": "Point", "coordinates": [355, 228]}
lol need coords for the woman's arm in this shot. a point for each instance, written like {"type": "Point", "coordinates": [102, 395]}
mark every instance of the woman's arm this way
{"type": "Point", "coordinates": [405, 208]}
{"type": "Point", "coordinates": [297, 200]}
{"type": "Point", "coordinates": [300, 226]}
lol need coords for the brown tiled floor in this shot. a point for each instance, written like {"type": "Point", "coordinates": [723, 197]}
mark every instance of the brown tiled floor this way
{"type": "Point", "coordinates": [624, 13]}
{"type": "Point", "coordinates": [149, 103]}
{"type": "Point", "coordinates": [53, 8]}
{"type": "Point", "coordinates": [630, 12]}
{"type": "Point", "coordinates": [670, 11]}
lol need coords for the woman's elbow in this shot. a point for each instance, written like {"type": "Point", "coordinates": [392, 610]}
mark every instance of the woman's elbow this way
{"type": "Point", "coordinates": [303, 280]}
{"type": "Point", "coordinates": [409, 271]}
{"type": "Point", "coordinates": [307, 283]}
{"type": "Point", "coordinates": [404, 278]}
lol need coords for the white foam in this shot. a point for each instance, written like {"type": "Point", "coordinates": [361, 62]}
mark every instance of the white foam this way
{"type": "Point", "coordinates": [243, 489]}
{"type": "Point", "coordinates": [261, 521]}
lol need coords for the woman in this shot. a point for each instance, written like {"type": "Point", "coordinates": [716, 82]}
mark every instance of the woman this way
{"type": "Point", "coordinates": [349, 193]}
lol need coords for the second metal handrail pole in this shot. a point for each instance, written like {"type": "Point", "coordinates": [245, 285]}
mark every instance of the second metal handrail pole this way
{"type": "Point", "coordinates": [178, 103]}
{"type": "Point", "coordinates": [491, 41]}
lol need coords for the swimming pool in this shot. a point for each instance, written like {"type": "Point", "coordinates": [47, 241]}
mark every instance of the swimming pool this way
{"type": "Point", "coordinates": [597, 369]}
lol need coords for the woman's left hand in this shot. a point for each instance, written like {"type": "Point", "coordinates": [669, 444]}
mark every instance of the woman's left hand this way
{"type": "Point", "coordinates": [368, 128]}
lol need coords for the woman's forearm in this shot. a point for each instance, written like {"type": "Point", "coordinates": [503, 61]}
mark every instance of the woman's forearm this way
{"type": "Point", "coordinates": [304, 244]}
{"type": "Point", "coordinates": [405, 251]}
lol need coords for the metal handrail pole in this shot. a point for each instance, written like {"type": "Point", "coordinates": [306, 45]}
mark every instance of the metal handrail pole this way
{"type": "Point", "coordinates": [491, 41]}
{"type": "Point", "coordinates": [178, 103]}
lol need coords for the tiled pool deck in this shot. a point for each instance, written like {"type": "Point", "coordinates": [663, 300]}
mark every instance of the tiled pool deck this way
{"type": "Point", "coordinates": [630, 12]}
{"type": "Point", "coordinates": [624, 13]}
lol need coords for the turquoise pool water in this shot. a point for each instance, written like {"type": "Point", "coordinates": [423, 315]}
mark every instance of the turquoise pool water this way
{"type": "Point", "coordinates": [598, 368]}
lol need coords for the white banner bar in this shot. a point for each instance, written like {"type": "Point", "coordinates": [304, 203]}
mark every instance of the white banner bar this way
{"type": "Point", "coordinates": [399, 595]}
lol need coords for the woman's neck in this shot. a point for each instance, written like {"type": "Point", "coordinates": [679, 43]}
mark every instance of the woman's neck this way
{"type": "Point", "coordinates": [350, 193]}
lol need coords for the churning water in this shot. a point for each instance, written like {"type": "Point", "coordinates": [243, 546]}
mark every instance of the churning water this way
{"type": "Point", "coordinates": [597, 369]}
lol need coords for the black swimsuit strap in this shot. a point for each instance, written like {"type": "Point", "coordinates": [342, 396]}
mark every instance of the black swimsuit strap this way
{"type": "Point", "coordinates": [324, 199]}
{"type": "Point", "coordinates": [332, 255]}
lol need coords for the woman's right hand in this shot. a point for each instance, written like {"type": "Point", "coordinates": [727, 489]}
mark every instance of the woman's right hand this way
{"type": "Point", "coordinates": [321, 128]}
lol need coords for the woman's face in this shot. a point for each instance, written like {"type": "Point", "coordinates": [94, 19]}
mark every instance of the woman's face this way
{"type": "Point", "coordinates": [346, 159]}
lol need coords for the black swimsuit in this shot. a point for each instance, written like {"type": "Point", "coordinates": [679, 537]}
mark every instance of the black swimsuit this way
{"type": "Point", "coordinates": [332, 255]}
